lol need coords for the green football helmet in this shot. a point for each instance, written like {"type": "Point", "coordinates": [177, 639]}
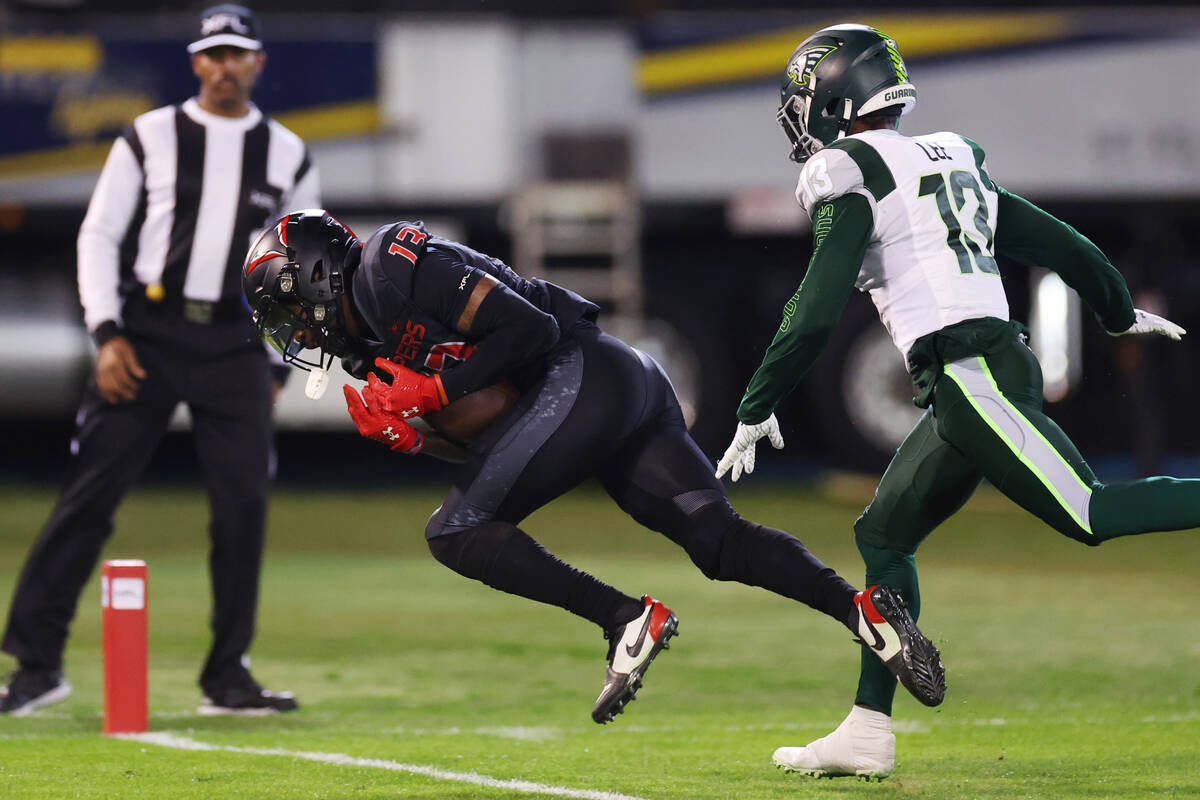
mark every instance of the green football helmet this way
{"type": "Point", "coordinates": [836, 76]}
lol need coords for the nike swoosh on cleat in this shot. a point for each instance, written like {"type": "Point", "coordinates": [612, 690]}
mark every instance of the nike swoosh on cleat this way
{"type": "Point", "coordinates": [641, 640]}
{"type": "Point", "coordinates": [879, 642]}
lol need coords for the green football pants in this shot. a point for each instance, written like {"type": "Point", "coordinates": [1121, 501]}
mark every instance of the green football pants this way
{"type": "Point", "coordinates": [986, 421]}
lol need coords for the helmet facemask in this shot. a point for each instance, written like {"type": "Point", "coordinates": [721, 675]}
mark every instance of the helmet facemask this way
{"type": "Point", "coordinates": [794, 116]}
{"type": "Point", "coordinates": [282, 313]}
{"type": "Point", "coordinates": [280, 323]}
{"type": "Point", "coordinates": [791, 116]}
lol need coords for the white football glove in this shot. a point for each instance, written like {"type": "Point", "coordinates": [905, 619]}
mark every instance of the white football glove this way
{"type": "Point", "coordinates": [740, 454]}
{"type": "Point", "coordinates": [1145, 322]}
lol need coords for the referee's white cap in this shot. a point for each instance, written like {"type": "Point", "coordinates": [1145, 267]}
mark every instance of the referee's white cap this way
{"type": "Point", "coordinates": [228, 24]}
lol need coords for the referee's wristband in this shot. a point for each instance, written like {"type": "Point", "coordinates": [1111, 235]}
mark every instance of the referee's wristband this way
{"type": "Point", "coordinates": [105, 331]}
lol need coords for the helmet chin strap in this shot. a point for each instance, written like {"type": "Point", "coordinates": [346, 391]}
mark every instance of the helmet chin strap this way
{"type": "Point", "coordinates": [847, 118]}
{"type": "Point", "coordinates": [336, 339]}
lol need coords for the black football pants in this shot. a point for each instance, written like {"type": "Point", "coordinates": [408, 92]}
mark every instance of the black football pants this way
{"type": "Point", "coordinates": [606, 410]}
{"type": "Point", "coordinates": [229, 397]}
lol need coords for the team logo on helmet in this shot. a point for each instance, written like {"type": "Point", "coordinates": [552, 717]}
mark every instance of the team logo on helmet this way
{"type": "Point", "coordinates": [802, 66]}
{"type": "Point", "coordinates": [264, 257]}
{"type": "Point", "coordinates": [894, 55]}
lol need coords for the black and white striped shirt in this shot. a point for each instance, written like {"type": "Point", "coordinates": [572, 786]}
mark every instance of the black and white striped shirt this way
{"type": "Point", "coordinates": [177, 205]}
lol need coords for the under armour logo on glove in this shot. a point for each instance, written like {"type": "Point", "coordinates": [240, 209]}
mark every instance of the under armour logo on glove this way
{"type": "Point", "coordinates": [382, 426]}
{"type": "Point", "coordinates": [411, 393]}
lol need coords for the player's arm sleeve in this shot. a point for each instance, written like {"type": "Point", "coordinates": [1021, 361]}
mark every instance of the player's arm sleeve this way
{"type": "Point", "coordinates": [507, 330]}
{"type": "Point", "coordinates": [1029, 235]}
{"type": "Point", "coordinates": [810, 316]}
{"type": "Point", "coordinates": [112, 207]}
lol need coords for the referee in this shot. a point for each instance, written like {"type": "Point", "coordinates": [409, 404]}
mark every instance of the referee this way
{"type": "Point", "coordinates": [183, 191]}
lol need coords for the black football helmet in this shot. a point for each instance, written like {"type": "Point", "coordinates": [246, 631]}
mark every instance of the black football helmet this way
{"type": "Point", "coordinates": [836, 76]}
{"type": "Point", "coordinates": [294, 277]}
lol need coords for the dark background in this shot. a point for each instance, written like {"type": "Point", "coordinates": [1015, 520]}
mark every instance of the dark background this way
{"type": "Point", "coordinates": [1133, 394]}
{"type": "Point", "coordinates": [1132, 413]}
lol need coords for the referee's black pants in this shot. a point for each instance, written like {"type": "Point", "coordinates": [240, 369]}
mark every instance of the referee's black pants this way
{"type": "Point", "coordinates": [229, 396]}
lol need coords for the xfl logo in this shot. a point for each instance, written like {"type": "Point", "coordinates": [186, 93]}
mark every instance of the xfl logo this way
{"type": "Point", "coordinates": [222, 21]}
{"type": "Point", "coordinates": [802, 66]}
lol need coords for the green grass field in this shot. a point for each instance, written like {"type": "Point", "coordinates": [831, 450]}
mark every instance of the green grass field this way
{"type": "Point", "coordinates": [1072, 671]}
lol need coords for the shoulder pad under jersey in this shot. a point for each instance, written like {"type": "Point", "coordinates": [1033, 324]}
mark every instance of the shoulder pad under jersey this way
{"type": "Point", "coordinates": [827, 175]}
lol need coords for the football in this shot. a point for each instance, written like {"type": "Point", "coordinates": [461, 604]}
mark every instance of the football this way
{"type": "Point", "coordinates": [471, 414]}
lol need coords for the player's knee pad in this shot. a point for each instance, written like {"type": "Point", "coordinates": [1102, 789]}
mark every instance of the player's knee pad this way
{"type": "Point", "coordinates": [713, 538]}
{"type": "Point", "coordinates": [447, 549]}
{"type": "Point", "coordinates": [471, 552]}
{"type": "Point", "coordinates": [867, 538]}
{"type": "Point", "coordinates": [877, 532]}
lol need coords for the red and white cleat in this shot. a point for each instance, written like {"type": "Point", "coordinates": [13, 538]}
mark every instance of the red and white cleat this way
{"type": "Point", "coordinates": [886, 627]}
{"type": "Point", "coordinates": [631, 649]}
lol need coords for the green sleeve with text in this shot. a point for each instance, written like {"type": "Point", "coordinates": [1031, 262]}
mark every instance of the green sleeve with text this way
{"type": "Point", "coordinates": [1028, 235]}
{"type": "Point", "coordinates": [841, 232]}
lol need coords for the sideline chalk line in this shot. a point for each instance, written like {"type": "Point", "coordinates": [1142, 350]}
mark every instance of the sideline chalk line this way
{"type": "Point", "coordinates": [340, 759]}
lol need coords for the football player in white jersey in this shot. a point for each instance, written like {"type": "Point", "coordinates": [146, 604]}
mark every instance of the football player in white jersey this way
{"type": "Point", "coordinates": [917, 223]}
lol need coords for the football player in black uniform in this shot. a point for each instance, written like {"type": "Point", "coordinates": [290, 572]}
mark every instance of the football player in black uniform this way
{"type": "Point", "coordinates": [426, 321]}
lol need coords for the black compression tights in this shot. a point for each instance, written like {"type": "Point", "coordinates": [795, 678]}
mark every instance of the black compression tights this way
{"type": "Point", "coordinates": [504, 557]}
{"type": "Point", "coordinates": [721, 543]}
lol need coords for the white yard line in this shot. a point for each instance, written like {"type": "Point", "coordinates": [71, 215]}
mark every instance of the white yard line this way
{"type": "Point", "coordinates": [340, 759]}
{"type": "Point", "coordinates": [527, 734]}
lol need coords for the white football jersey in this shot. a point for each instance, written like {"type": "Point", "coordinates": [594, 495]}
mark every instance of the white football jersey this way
{"type": "Point", "coordinates": [930, 261]}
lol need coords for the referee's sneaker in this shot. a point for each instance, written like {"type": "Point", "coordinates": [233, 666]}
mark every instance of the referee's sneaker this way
{"type": "Point", "coordinates": [28, 689]}
{"type": "Point", "coordinates": [245, 697]}
{"type": "Point", "coordinates": [31, 689]}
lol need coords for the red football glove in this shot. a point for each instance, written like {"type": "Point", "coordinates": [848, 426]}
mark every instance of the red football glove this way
{"type": "Point", "coordinates": [375, 423]}
{"type": "Point", "coordinates": [411, 393]}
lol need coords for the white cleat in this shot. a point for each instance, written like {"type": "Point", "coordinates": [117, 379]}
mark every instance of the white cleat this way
{"type": "Point", "coordinates": [862, 746]}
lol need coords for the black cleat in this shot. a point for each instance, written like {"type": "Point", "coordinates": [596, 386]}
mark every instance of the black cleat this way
{"type": "Point", "coordinates": [33, 688]}
{"type": "Point", "coordinates": [246, 699]}
{"type": "Point", "coordinates": [631, 648]}
{"type": "Point", "coordinates": [886, 627]}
